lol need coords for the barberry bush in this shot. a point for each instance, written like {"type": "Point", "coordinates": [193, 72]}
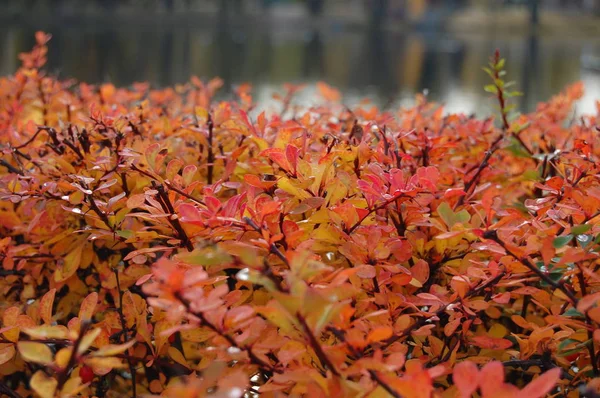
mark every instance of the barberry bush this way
{"type": "Point", "coordinates": [160, 242]}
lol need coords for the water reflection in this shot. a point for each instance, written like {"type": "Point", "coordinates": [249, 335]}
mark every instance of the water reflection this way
{"type": "Point", "coordinates": [389, 67]}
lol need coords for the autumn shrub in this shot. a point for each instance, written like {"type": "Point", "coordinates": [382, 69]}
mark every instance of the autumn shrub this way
{"type": "Point", "coordinates": [162, 242]}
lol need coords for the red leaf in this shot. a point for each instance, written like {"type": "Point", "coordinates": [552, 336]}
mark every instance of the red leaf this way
{"type": "Point", "coordinates": [491, 343]}
{"type": "Point", "coordinates": [541, 385]}
{"type": "Point", "coordinates": [466, 378]}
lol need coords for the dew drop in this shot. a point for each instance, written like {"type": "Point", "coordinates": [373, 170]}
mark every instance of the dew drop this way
{"type": "Point", "coordinates": [243, 275]}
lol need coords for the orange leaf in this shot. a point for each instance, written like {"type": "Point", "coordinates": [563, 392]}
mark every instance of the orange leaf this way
{"type": "Point", "coordinates": [380, 333]}
{"type": "Point", "coordinates": [588, 302]}
{"type": "Point", "coordinates": [420, 271]}
{"type": "Point", "coordinates": [9, 318]}
{"type": "Point", "coordinates": [328, 92]}
{"type": "Point", "coordinates": [7, 353]}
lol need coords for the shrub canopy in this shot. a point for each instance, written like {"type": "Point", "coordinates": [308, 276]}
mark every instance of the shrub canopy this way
{"type": "Point", "coordinates": [161, 242]}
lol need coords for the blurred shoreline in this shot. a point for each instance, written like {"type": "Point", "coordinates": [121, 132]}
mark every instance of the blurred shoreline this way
{"type": "Point", "coordinates": [508, 21]}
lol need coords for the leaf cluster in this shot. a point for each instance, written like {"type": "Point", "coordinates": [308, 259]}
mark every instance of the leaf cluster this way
{"type": "Point", "coordinates": [160, 242]}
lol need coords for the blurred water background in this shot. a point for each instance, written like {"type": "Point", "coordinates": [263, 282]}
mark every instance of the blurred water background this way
{"type": "Point", "coordinates": [386, 50]}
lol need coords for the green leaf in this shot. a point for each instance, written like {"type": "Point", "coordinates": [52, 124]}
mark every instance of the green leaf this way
{"type": "Point", "coordinates": [580, 229]}
{"type": "Point", "coordinates": [566, 343]}
{"type": "Point", "coordinates": [517, 149]}
{"type": "Point", "coordinates": [531, 175]}
{"type": "Point", "coordinates": [500, 64]}
{"type": "Point", "coordinates": [490, 88]}
{"type": "Point", "coordinates": [573, 313]}
{"type": "Point", "coordinates": [562, 241]}
{"type": "Point", "coordinates": [574, 349]}
{"type": "Point", "coordinates": [450, 217]}
{"type": "Point", "coordinates": [556, 275]}
{"type": "Point", "coordinates": [125, 233]}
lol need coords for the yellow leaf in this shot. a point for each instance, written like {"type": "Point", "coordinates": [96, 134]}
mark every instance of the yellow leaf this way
{"type": "Point", "coordinates": [498, 331]}
{"type": "Point", "coordinates": [72, 387]}
{"type": "Point", "coordinates": [70, 264]}
{"type": "Point", "coordinates": [134, 307]}
{"type": "Point", "coordinates": [87, 340]}
{"type": "Point", "coordinates": [177, 356]}
{"type": "Point", "coordinates": [86, 311]}
{"type": "Point", "coordinates": [414, 282]}
{"type": "Point", "coordinates": [103, 365]}
{"type": "Point", "coordinates": [47, 332]}
{"type": "Point", "coordinates": [159, 335]}
{"type": "Point", "coordinates": [197, 335]}
{"type": "Point", "coordinates": [35, 352]}
{"type": "Point", "coordinates": [113, 349]}
{"type": "Point", "coordinates": [43, 385]}
{"type": "Point", "coordinates": [62, 356]}
{"type": "Point", "coordinates": [261, 143]}
{"type": "Point", "coordinates": [288, 186]}
{"type": "Point", "coordinates": [46, 306]}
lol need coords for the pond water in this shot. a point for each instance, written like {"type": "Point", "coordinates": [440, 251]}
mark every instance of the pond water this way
{"type": "Point", "coordinates": [387, 66]}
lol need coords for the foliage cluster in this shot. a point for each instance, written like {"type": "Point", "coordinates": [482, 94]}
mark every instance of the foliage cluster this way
{"type": "Point", "coordinates": [162, 242]}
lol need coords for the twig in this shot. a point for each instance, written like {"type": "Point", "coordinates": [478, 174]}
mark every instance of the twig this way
{"type": "Point", "coordinates": [64, 342]}
{"type": "Point", "coordinates": [588, 320]}
{"type": "Point", "coordinates": [273, 248]}
{"type": "Point", "coordinates": [264, 366]}
{"type": "Point", "coordinates": [421, 322]}
{"type": "Point", "coordinates": [314, 343]}
{"type": "Point", "coordinates": [374, 209]}
{"type": "Point", "coordinates": [10, 167]}
{"type": "Point", "coordinates": [99, 212]}
{"type": "Point", "coordinates": [469, 185]}
{"type": "Point", "coordinates": [211, 155]}
{"type": "Point", "coordinates": [6, 390]}
{"type": "Point", "coordinates": [545, 363]}
{"type": "Point", "coordinates": [355, 353]}
{"type": "Point", "coordinates": [39, 130]}
{"type": "Point", "coordinates": [493, 235]}
{"type": "Point", "coordinates": [125, 334]}
{"type": "Point", "coordinates": [168, 207]}
{"type": "Point", "coordinates": [182, 193]}
{"type": "Point", "coordinates": [168, 184]}
{"type": "Point", "coordinates": [496, 144]}
{"type": "Point", "coordinates": [63, 375]}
